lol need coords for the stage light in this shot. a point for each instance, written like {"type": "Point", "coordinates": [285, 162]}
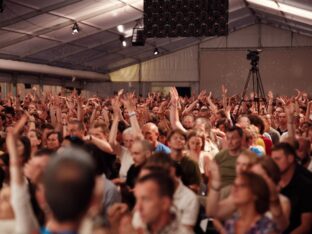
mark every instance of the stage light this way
{"type": "Point", "coordinates": [120, 28]}
{"type": "Point", "coordinates": [123, 41]}
{"type": "Point", "coordinates": [156, 51]}
{"type": "Point", "coordinates": [75, 28]}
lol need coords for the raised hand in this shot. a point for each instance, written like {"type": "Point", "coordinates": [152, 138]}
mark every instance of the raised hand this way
{"type": "Point", "coordinates": [202, 95]}
{"type": "Point", "coordinates": [213, 172]}
{"type": "Point", "coordinates": [270, 95]}
{"type": "Point", "coordinates": [128, 100]}
{"type": "Point", "coordinates": [224, 90]}
{"type": "Point", "coordinates": [116, 107]}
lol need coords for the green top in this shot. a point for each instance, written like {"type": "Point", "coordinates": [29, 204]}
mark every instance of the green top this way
{"type": "Point", "coordinates": [227, 165]}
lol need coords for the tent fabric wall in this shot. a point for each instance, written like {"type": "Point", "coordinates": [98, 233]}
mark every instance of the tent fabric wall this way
{"type": "Point", "coordinates": [130, 73]}
{"type": "Point", "coordinates": [179, 66]}
{"type": "Point", "coordinates": [281, 69]}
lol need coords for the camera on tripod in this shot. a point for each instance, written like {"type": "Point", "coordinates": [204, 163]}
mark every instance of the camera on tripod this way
{"type": "Point", "coordinates": [253, 56]}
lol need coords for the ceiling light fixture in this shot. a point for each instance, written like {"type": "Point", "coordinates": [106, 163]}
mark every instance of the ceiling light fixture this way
{"type": "Point", "coordinates": [123, 41]}
{"type": "Point", "coordinates": [156, 51]}
{"type": "Point", "coordinates": [75, 29]}
{"type": "Point", "coordinates": [120, 28]}
{"type": "Point", "coordinates": [283, 7]}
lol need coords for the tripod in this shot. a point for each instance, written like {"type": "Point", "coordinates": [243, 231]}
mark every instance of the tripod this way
{"type": "Point", "coordinates": [257, 86]}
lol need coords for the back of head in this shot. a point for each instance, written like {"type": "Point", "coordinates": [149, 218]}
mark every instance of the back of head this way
{"type": "Point", "coordinates": [259, 189]}
{"type": "Point", "coordinates": [69, 181]}
{"type": "Point", "coordinates": [271, 168]}
{"type": "Point", "coordinates": [160, 160]}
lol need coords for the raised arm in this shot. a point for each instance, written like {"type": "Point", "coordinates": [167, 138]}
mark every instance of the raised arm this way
{"type": "Point", "coordinates": [25, 221]}
{"type": "Point", "coordinates": [114, 128]}
{"type": "Point", "coordinates": [174, 113]}
{"type": "Point", "coordinates": [129, 103]}
{"type": "Point", "coordinates": [212, 106]}
{"type": "Point", "coordinates": [214, 207]}
{"type": "Point", "coordinates": [270, 106]}
{"type": "Point", "coordinates": [15, 163]}
{"type": "Point", "coordinates": [290, 109]}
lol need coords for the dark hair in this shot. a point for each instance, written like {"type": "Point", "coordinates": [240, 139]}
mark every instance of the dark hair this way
{"type": "Point", "coordinates": [27, 148]}
{"type": "Point", "coordinates": [271, 168]}
{"type": "Point", "coordinates": [44, 152]}
{"type": "Point", "coordinates": [260, 189]}
{"type": "Point", "coordinates": [74, 141]}
{"type": "Point", "coordinates": [164, 183]}
{"type": "Point", "coordinates": [237, 129]}
{"type": "Point", "coordinates": [223, 121]}
{"type": "Point", "coordinates": [47, 126]}
{"type": "Point", "coordinates": [69, 181]}
{"type": "Point", "coordinates": [161, 160]}
{"type": "Point", "coordinates": [176, 131]}
{"type": "Point", "coordinates": [2, 177]}
{"type": "Point", "coordinates": [286, 148]}
{"type": "Point", "coordinates": [258, 122]}
{"type": "Point", "coordinates": [59, 135]}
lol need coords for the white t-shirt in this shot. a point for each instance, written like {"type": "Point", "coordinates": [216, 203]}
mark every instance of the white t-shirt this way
{"type": "Point", "coordinates": [211, 148]}
{"type": "Point", "coordinates": [185, 206]}
{"type": "Point", "coordinates": [201, 161]}
{"type": "Point", "coordinates": [126, 161]}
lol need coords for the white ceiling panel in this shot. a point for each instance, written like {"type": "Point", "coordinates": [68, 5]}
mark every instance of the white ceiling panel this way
{"type": "Point", "coordinates": [6, 36]}
{"type": "Point", "coordinates": [116, 17]}
{"type": "Point", "coordinates": [36, 23]}
{"type": "Point", "coordinates": [83, 8]}
{"type": "Point", "coordinates": [97, 39]}
{"type": "Point", "coordinates": [28, 47]}
{"type": "Point", "coordinates": [38, 4]}
{"type": "Point", "coordinates": [13, 10]}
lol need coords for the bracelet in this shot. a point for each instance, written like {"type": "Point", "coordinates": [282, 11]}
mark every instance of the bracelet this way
{"type": "Point", "coordinates": [132, 114]}
{"type": "Point", "coordinates": [216, 189]}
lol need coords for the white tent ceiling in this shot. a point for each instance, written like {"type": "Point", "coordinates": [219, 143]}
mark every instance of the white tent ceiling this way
{"type": "Point", "coordinates": [39, 31]}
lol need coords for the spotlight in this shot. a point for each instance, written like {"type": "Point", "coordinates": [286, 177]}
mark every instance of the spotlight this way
{"type": "Point", "coordinates": [75, 28]}
{"type": "Point", "coordinates": [156, 51]}
{"type": "Point", "coordinates": [123, 41]}
{"type": "Point", "coordinates": [120, 28]}
{"type": "Point", "coordinates": [73, 79]}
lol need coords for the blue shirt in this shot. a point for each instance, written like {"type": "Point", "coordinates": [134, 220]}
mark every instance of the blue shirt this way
{"type": "Point", "coordinates": [161, 148]}
{"type": "Point", "coordinates": [44, 230]}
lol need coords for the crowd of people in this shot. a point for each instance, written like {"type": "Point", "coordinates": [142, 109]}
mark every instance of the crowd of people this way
{"type": "Point", "coordinates": [157, 164]}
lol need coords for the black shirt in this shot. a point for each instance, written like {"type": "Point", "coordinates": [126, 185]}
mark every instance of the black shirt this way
{"type": "Point", "coordinates": [299, 192]}
{"type": "Point", "coordinates": [132, 175]}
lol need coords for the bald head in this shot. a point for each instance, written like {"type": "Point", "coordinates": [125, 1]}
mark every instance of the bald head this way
{"type": "Point", "coordinates": [151, 133]}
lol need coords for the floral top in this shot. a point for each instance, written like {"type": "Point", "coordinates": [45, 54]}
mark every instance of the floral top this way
{"type": "Point", "coordinates": [263, 226]}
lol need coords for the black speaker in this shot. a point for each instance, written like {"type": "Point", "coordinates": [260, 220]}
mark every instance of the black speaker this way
{"type": "Point", "coordinates": [27, 86]}
{"type": "Point", "coordinates": [185, 18]}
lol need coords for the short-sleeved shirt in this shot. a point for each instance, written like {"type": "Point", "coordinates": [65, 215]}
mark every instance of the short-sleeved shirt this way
{"type": "Point", "coordinates": [161, 148]}
{"type": "Point", "coordinates": [299, 192]}
{"type": "Point", "coordinates": [227, 165]}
